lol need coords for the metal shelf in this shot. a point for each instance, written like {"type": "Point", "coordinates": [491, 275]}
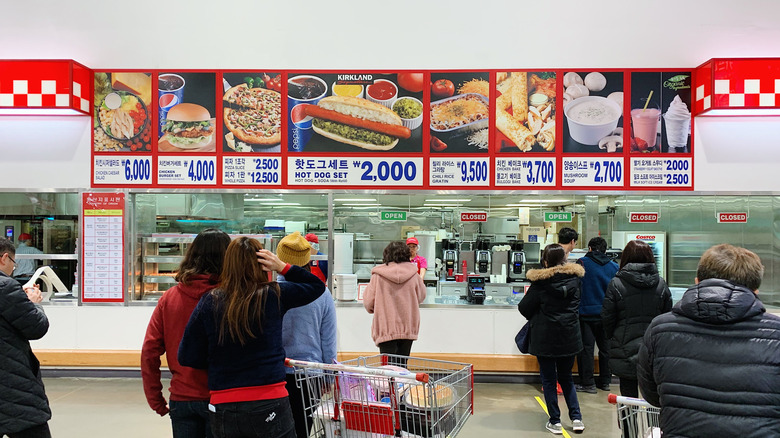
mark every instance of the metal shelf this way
{"type": "Point", "coordinates": [168, 279]}
{"type": "Point", "coordinates": [163, 259]}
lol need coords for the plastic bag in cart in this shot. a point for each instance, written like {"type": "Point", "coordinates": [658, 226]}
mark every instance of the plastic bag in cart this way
{"type": "Point", "coordinates": [653, 432]}
{"type": "Point", "coordinates": [355, 387]}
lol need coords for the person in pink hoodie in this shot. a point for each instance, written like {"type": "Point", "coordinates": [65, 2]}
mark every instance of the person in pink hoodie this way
{"type": "Point", "coordinates": [393, 295]}
{"type": "Point", "coordinates": [198, 274]}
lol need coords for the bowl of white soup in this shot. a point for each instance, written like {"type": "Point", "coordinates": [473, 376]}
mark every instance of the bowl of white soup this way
{"type": "Point", "coordinates": [591, 118]}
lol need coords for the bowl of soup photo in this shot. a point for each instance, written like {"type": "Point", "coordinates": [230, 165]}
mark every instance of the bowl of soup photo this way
{"type": "Point", "coordinates": [591, 118]}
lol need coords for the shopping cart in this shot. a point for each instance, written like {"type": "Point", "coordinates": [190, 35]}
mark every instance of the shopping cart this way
{"type": "Point", "coordinates": [373, 397]}
{"type": "Point", "coordinates": [636, 417]}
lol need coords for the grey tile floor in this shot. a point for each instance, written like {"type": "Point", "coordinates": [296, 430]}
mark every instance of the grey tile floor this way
{"type": "Point", "coordinates": [116, 408]}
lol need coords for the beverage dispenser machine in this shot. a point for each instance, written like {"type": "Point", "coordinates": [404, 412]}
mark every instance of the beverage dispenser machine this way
{"type": "Point", "coordinates": [450, 258]}
{"type": "Point", "coordinates": [517, 264]}
{"type": "Point", "coordinates": [482, 260]}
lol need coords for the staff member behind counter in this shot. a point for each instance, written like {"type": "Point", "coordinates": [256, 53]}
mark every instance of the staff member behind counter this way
{"type": "Point", "coordinates": [25, 268]}
{"type": "Point", "coordinates": [422, 264]}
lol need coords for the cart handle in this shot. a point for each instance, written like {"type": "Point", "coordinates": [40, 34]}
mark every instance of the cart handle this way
{"type": "Point", "coordinates": [615, 399]}
{"type": "Point", "coordinates": [403, 375]}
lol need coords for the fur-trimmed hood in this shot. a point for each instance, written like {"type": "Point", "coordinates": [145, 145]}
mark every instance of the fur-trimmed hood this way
{"type": "Point", "coordinates": [548, 273]}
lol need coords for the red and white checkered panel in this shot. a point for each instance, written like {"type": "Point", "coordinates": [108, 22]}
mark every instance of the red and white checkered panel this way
{"type": "Point", "coordinates": [44, 84]}
{"type": "Point", "coordinates": [702, 100]}
{"type": "Point", "coordinates": [739, 83]}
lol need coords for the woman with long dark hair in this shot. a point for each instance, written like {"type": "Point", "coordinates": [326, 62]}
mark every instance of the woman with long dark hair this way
{"type": "Point", "coordinates": [551, 307]}
{"type": "Point", "coordinates": [235, 333]}
{"type": "Point", "coordinates": [635, 296]}
{"type": "Point", "coordinates": [198, 273]}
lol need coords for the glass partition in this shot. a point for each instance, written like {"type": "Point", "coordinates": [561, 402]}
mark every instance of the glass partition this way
{"type": "Point", "coordinates": [44, 227]}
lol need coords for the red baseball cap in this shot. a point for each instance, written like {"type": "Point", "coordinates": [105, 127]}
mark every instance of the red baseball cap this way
{"type": "Point", "coordinates": [25, 236]}
{"type": "Point", "coordinates": [412, 240]}
{"type": "Point", "coordinates": [312, 238]}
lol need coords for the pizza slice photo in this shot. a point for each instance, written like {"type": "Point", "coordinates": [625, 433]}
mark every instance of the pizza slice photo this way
{"type": "Point", "coordinates": [252, 114]}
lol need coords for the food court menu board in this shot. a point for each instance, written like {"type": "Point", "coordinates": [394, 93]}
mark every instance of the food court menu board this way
{"type": "Point", "coordinates": [102, 249]}
{"type": "Point", "coordinates": [536, 129]}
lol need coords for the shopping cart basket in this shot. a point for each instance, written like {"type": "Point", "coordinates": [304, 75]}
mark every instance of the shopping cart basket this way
{"type": "Point", "coordinates": [636, 417]}
{"type": "Point", "coordinates": [373, 397]}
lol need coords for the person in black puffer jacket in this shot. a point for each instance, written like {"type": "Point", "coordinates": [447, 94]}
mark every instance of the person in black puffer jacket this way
{"type": "Point", "coordinates": [634, 297]}
{"type": "Point", "coordinates": [24, 407]}
{"type": "Point", "coordinates": [551, 306]}
{"type": "Point", "coordinates": [713, 363]}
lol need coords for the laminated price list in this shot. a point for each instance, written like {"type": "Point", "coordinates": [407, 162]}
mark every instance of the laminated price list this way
{"type": "Point", "coordinates": [103, 252]}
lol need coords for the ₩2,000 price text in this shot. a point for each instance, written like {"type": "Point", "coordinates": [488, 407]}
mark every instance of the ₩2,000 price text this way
{"type": "Point", "coordinates": [393, 170]}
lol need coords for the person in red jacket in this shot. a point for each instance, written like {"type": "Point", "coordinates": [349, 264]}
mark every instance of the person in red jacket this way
{"type": "Point", "coordinates": [198, 273]}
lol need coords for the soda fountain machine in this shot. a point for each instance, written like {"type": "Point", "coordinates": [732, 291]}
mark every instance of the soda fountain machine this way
{"type": "Point", "coordinates": [450, 258]}
{"type": "Point", "coordinates": [517, 264]}
{"type": "Point", "coordinates": [482, 260]}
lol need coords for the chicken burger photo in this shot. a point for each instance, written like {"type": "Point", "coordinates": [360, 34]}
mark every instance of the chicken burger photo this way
{"type": "Point", "coordinates": [188, 126]}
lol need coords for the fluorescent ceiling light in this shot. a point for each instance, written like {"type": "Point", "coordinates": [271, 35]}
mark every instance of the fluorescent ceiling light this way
{"type": "Point", "coordinates": [442, 205]}
{"type": "Point", "coordinates": [280, 203]}
{"type": "Point", "coordinates": [263, 199]}
{"type": "Point", "coordinates": [355, 199]}
{"type": "Point", "coordinates": [362, 205]}
{"type": "Point", "coordinates": [541, 200]}
{"type": "Point", "coordinates": [447, 200]}
{"type": "Point", "coordinates": [521, 205]}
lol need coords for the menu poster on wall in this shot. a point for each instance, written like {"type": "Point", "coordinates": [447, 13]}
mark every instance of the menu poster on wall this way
{"type": "Point", "coordinates": [460, 112]}
{"type": "Point", "coordinates": [525, 111]}
{"type": "Point", "coordinates": [252, 112]}
{"type": "Point", "coordinates": [102, 249]}
{"type": "Point", "coordinates": [593, 112]}
{"type": "Point", "coordinates": [122, 119]}
{"type": "Point", "coordinates": [186, 108]}
{"type": "Point", "coordinates": [354, 112]}
{"type": "Point", "coordinates": [660, 112]}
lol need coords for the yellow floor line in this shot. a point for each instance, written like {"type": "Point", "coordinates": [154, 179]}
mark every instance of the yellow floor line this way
{"type": "Point", "coordinates": [544, 407]}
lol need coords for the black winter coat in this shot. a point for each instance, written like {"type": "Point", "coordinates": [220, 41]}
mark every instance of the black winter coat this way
{"type": "Point", "coordinates": [552, 306]}
{"type": "Point", "coordinates": [23, 402]}
{"type": "Point", "coordinates": [713, 364]}
{"type": "Point", "coordinates": [634, 297]}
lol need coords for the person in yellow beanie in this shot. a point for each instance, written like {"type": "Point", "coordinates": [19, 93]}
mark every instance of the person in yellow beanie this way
{"type": "Point", "coordinates": [308, 332]}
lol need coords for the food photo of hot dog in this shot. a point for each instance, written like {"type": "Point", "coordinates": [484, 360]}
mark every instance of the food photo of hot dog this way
{"type": "Point", "coordinates": [355, 112]}
{"type": "Point", "coordinates": [357, 122]}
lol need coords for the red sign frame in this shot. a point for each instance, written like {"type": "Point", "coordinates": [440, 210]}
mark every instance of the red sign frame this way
{"type": "Point", "coordinates": [102, 247]}
{"type": "Point", "coordinates": [643, 217]}
{"type": "Point", "coordinates": [731, 217]}
{"type": "Point", "coordinates": [474, 216]}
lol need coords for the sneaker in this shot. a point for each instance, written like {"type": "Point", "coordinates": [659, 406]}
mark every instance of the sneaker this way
{"type": "Point", "coordinates": [578, 426]}
{"type": "Point", "coordinates": [590, 389]}
{"type": "Point", "coordinates": [556, 428]}
{"type": "Point", "coordinates": [604, 387]}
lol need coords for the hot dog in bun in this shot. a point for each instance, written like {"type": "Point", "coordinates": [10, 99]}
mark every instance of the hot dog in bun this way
{"type": "Point", "coordinates": [358, 122]}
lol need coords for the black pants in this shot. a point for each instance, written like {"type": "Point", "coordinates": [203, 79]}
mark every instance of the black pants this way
{"type": "Point", "coordinates": [593, 334]}
{"type": "Point", "coordinates": [40, 431]}
{"type": "Point", "coordinates": [400, 347]}
{"type": "Point", "coordinates": [629, 387]}
{"type": "Point", "coordinates": [301, 405]}
{"type": "Point", "coordinates": [253, 419]}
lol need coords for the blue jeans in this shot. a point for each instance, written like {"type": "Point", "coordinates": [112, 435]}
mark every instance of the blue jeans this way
{"type": "Point", "coordinates": [253, 419]}
{"type": "Point", "coordinates": [558, 370]}
{"type": "Point", "coordinates": [190, 418]}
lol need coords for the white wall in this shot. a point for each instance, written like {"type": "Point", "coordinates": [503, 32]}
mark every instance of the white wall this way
{"type": "Point", "coordinates": [730, 154]}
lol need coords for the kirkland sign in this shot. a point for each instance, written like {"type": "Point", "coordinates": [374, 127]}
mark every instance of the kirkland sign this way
{"type": "Point", "coordinates": [473, 217]}
{"type": "Point", "coordinates": [732, 218]}
{"type": "Point", "coordinates": [645, 218]}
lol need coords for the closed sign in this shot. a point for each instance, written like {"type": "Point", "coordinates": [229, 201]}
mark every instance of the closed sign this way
{"type": "Point", "coordinates": [732, 218]}
{"type": "Point", "coordinates": [473, 217]}
{"type": "Point", "coordinates": [647, 218]}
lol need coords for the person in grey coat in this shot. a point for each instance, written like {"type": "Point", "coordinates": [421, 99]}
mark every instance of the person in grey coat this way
{"type": "Point", "coordinates": [713, 363]}
{"type": "Point", "coordinates": [24, 407]}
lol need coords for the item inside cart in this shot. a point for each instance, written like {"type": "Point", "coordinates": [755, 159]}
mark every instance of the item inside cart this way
{"type": "Point", "coordinates": [367, 397]}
